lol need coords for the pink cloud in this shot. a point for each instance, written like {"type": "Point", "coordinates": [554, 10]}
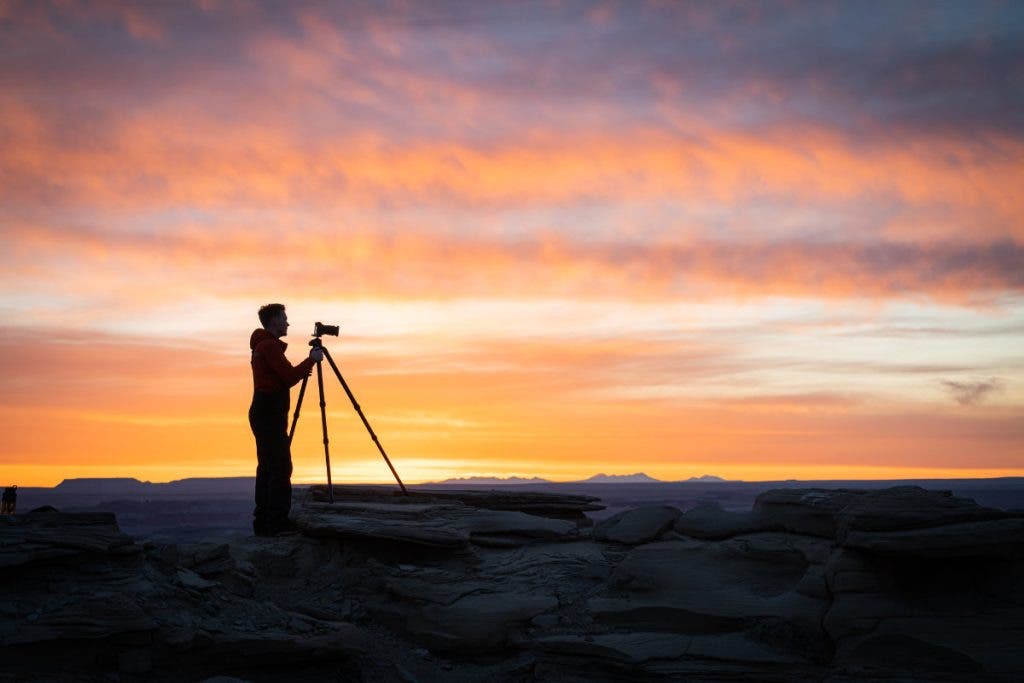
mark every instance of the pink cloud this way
{"type": "Point", "coordinates": [410, 265]}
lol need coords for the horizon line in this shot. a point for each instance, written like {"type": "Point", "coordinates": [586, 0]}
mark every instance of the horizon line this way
{"type": "Point", "coordinates": [527, 481]}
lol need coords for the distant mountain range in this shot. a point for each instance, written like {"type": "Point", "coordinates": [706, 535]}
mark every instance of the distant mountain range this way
{"type": "Point", "coordinates": [637, 478]}
{"type": "Point", "coordinates": [602, 478]}
{"type": "Point", "coordinates": [706, 478]}
{"type": "Point", "coordinates": [119, 486]}
{"type": "Point", "coordinates": [493, 481]}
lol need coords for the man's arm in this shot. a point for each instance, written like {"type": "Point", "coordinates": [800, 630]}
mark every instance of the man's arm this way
{"type": "Point", "coordinates": [289, 374]}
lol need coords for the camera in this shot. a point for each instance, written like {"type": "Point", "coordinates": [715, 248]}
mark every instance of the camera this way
{"type": "Point", "coordinates": [319, 329]}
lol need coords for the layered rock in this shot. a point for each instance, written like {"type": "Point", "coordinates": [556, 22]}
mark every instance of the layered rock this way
{"type": "Point", "coordinates": [78, 598]}
{"type": "Point", "coordinates": [809, 583]}
{"type": "Point", "coordinates": [641, 525]}
{"type": "Point", "coordinates": [826, 585]}
{"type": "Point", "coordinates": [541, 504]}
{"type": "Point", "coordinates": [916, 580]}
{"type": "Point", "coordinates": [443, 519]}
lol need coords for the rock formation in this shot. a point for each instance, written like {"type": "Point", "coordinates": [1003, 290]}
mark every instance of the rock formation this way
{"type": "Point", "coordinates": [842, 585]}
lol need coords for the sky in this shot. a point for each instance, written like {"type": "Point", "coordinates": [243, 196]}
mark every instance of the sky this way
{"type": "Point", "coordinates": [761, 240]}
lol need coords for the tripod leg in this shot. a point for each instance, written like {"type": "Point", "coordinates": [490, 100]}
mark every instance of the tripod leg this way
{"type": "Point", "coordinates": [359, 410]}
{"type": "Point", "coordinates": [323, 424]}
{"type": "Point", "coordinates": [298, 405]}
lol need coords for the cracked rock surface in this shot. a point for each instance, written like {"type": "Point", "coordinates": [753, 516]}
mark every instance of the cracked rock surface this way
{"type": "Point", "coordinates": [830, 585]}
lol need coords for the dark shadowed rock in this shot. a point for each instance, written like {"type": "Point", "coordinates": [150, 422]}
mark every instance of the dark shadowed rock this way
{"type": "Point", "coordinates": [909, 507]}
{"type": "Point", "coordinates": [289, 644]}
{"type": "Point", "coordinates": [486, 601]}
{"type": "Point", "coordinates": [920, 580]}
{"type": "Point", "coordinates": [478, 622]}
{"type": "Point", "coordinates": [556, 505]}
{"type": "Point", "coordinates": [747, 585]}
{"type": "Point", "coordinates": [833, 513]}
{"type": "Point", "coordinates": [640, 525]}
{"type": "Point", "coordinates": [658, 648]}
{"type": "Point", "coordinates": [895, 585]}
{"type": "Point", "coordinates": [77, 594]}
{"type": "Point", "coordinates": [994, 538]}
{"type": "Point", "coordinates": [41, 537]}
{"type": "Point", "coordinates": [443, 522]}
{"type": "Point", "coordinates": [803, 511]}
{"type": "Point", "coordinates": [107, 613]}
{"type": "Point", "coordinates": [510, 528]}
{"type": "Point", "coordinates": [915, 615]}
{"type": "Point", "coordinates": [428, 525]}
{"type": "Point", "coordinates": [710, 522]}
{"type": "Point", "coordinates": [941, 598]}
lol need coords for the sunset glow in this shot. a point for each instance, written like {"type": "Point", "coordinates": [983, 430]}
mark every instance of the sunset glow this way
{"type": "Point", "coordinates": [757, 240]}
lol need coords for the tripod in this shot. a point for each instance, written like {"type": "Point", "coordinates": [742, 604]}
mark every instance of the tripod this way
{"type": "Point", "coordinates": [317, 343]}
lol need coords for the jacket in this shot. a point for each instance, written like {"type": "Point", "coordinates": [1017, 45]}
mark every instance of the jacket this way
{"type": "Point", "coordinates": [271, 371]}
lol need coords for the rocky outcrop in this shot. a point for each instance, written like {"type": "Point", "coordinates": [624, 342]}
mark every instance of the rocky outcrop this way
{"type": "Point", "coordinates": [632, 527]}
{"type": "Point", "coordinates": [711, 522]}
{"type": "Point", "coordinates": [439, 526]}
{"type": "Point", "coordinates": [900, 584]}
{"type": "Point", "coordinates": [49, 536]}
{"type": "Point", "coordinates": [835, 513]}
{"type": "Point", "coordinates": [809, 583]}
{"type": "Point", "coordinates": [78, 597]}
{"type": "Point", "coordinates": [541, 504]}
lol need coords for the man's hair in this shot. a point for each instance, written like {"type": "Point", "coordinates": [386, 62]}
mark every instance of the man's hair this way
{"type": "Point", "coordinates": [269, 312]}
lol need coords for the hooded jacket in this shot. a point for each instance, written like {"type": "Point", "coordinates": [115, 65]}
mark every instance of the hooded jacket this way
{"type": "Point", "coordinates": [271, 371]}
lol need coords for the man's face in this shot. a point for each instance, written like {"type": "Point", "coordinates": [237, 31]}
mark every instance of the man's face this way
{"type": "Point", "coordinates": [279, 326]}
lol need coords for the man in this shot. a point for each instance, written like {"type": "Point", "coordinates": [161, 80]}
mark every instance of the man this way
{"type": "Point", "coordinates": [272, 377]}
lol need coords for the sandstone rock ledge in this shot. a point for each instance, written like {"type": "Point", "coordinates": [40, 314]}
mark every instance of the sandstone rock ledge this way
{"type": "Point", "coordinates": [80, 600]}
{"type": "Point", "coordinates": [837, 586]}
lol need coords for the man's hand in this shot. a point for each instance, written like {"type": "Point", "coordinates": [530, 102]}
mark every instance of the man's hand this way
{"type": "Point", "coordinates": [316, 354]}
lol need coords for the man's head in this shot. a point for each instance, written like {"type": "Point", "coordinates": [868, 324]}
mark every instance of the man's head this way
{"type": "Point", "coordinates": [274, 319]}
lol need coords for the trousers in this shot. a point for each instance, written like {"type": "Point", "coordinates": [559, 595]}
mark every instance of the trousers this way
{"type": "Point", "coordinates": [268, 419]}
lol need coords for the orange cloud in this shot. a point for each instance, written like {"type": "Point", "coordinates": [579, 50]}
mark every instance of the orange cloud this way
{"type": "Point", "coordinates": [159, 159]}
{"type": "Point", "coordinates": [342, 263]}
{"type": "Point", "coordinates": [150, 408]}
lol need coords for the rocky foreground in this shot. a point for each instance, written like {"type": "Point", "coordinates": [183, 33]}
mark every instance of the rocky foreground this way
{"type": "Point", "coordinates": [899, 584]}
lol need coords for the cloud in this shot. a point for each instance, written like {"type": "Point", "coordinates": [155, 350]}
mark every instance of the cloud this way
{"type": "Point", "coordinates": [153, 160]}
{"type": "Point", "coordinates": [160, 155]}
{"type": "Point", "coordinates": [449, 106]}
{"type": "Point", "coordinates": [115, 373]}
{"type": "Point", "coordinates": [973, 393]}
{"type": "Point", "coordinates": [867, 69]}
{"type": "Point", "coordinates": [353, 262]}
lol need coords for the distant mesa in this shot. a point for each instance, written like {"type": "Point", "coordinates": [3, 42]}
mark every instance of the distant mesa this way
{"type": "Point", "coordinates": [129, 486]}
{"type": "Point", "coordinates": [637, 478]}
{"type": "Point", "coordinates": [102, 485]}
